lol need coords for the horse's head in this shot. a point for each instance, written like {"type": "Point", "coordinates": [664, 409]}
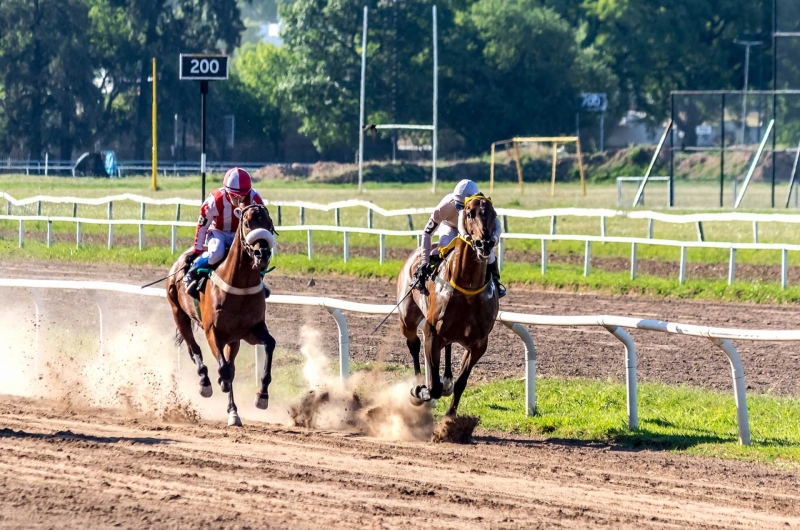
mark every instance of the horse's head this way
{"type": "Point", "coordinates": [479, 222]}
{"type": "Point", "coordinates": [257, 234]}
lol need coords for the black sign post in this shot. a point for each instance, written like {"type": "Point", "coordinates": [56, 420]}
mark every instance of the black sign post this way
{"type": "Point", "coordinates": [203, 68]}
{"type": "Point", "coordinates": [592, 102]}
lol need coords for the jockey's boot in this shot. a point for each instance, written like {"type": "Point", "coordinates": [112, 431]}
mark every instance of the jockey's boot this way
{"type": "Point", "coordinates": [493, 273]}
{"type": "Point", "coordinates": [436, 260]}
{"type": "Point", "coordinates": [190, 279]}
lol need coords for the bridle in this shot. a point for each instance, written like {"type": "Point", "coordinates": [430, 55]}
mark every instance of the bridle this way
{"type": "Point", "coordinates": [256, 254]}
{"type": "Point", "coordinates": [479, 244]}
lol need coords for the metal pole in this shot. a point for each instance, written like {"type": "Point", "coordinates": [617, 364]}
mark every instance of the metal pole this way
{"type": "Point", "coordinates": [435, 96]}
{"type": "Point", "coordinates": [361, 105]}
{"type": "Point", "coordinates": [602, 129]}
{"type": "Point", "coordinates": [671, 152]}
{"type": "Point", "coordinates": [722, 156]}
{"type": "Point", "coordinates": [154, 153]}
{"type": "Point", "coordinates": [203, 92]}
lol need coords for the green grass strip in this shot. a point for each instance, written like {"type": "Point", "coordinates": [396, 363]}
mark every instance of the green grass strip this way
{"type": "Point", "coordinates": [678, 418]}
{"type": "Point", "coordinates": [559, 276]}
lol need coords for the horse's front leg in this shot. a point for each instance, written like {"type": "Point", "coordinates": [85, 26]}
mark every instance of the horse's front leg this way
{"type": "Point", "coordinates": [218, 348]}
{"type": "Point", "coordinates": [261, 335]}
{"type": "Point", "coordinates": [447, 382]}
{"type": "Point", "coordinates": [230, 353]}
{"type": "Point", "coordinates": [433, 350]}
{"type": "Point", "coordinates": [470, 359]}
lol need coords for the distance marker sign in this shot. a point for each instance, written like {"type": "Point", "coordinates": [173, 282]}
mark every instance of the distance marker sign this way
{"type": "Point", "coordinates": [203, 67]}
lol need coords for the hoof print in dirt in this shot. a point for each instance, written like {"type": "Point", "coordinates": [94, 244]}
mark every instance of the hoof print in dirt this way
{"type": "Point", "coordinates": [455, 430]}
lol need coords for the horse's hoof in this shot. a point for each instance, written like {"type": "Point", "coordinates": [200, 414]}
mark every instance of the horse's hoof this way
{"type": "Point", "coordinates": [234, 420]}
{"type": "Point", "coordinates": [225, 386]}
{"type": "Point", "coordinates": [420, 395]}
{"type": "Point", "coordinates": [206, 391]}
{"type": "Point", "coordinates": [447, 387]}
{"type": "Point", "coordinates": [262, 401]}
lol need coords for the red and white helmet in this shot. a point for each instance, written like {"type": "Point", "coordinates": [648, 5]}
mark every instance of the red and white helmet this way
{"type": "Point", "coordinates": [237, 181]}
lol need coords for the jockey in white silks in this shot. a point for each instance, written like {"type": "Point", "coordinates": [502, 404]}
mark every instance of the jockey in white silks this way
{"type": "Point", "coordinates": [218, 223]}
{"type": "Point", "coordinates": [447, 221]}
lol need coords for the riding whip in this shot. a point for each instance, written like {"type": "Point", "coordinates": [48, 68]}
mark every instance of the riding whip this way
{"type": "Point", "coordinates": [162, 279]}
{"type": "Point", "coordinates": [410, 290]}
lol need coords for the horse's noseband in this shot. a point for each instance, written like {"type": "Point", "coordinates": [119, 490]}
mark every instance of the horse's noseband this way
{"type": "Point", "coordinates": [256, 254]}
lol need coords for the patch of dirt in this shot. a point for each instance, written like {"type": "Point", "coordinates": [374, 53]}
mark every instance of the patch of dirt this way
{"type": "Point", "coordinates": [456, 430]}
{"type": "Point", "coordinates": [98, 470]}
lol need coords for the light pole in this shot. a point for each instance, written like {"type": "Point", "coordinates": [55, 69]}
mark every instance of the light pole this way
{"type": "Point", "coordinates": [747, 45]}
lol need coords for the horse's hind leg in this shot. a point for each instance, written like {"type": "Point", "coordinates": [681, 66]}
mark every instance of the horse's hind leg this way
{"type": "Point", "coordinates": [471, 357]}
{"type": "Point", "coordinates": [184, 325]}
{"type": "Point", "coordinates": [261, 335]}
{"type": "Point", "coordinates": [233, 414]}
{"type": "Point", "coordinates": [433, 351]}
{"type": "Point", "coordinates": [447, 382]}
{"type": "Point", "coordinates": [411, 317]}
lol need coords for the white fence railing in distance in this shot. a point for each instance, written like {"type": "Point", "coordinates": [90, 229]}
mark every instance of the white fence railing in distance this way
{"type": "Point", "coordinates": [614, 324]}
{"type": "Point", "coordinates": [551, 213]}
{"type": "Point", "coordinates": [731, 248]}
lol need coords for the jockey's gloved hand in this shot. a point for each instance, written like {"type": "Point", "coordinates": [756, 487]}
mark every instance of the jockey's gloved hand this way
{"type": "Point", "coordinates": [422, 273]}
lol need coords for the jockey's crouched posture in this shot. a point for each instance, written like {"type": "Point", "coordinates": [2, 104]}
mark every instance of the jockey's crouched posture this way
{"type": "Point", "coordinates": [447, 221]}
{"type": "Point", "coordinates": [217, 225]}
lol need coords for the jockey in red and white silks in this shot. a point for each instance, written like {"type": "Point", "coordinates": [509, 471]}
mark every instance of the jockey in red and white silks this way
{"type": "Point", "coordinates": [447, 221]}
{"type": "Point", "coordinates": [218, 222]}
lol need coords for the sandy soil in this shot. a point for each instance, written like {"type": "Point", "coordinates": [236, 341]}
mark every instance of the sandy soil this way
{"type": "Point", "coordinates": [123, 440]}
{"type": "Point", "coordinates": [66, 468]}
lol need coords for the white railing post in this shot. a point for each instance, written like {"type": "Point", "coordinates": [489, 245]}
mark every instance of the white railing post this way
{"type": "Point", "coordinates": [382, 249]}
{"type": "Point", "coordinates": [110, 236]}
{"type": "Point", "coordinates": [141, 237]}
{"type": "Point", "coordinates": [737, 373]}
{"type": "Point", "coordinates": [650, 229]}
{"type": "Point", "coordinates": [21, 233]}
{"type": "Point", "coordinates": [178, 212]}
{"type": "Point", "coordinates": [544, 257]}
{"type": "Point", "coordinates": [682, 271]}
{"type": "Point", "coordinates": [78, 234]}
{"type": "Point", "coordinates": [39, 209]}
{"type": "Point", "coordinates": [634, 260]}
{"type": "Point", "coordinates": [602, 226]}
{"type": "Point", "coordinates": [630, 374]}
{"type": "Point", "coordinates": [732, 266]}
{"type": "Point", "coordinates": [174, 239]}
{"type": "Point", "coordinates": [337, 217]}
{"type": "Point", "coordinates": [784, 269]}
{"type": "Point", "coordinates": [346, 247]}
{"type": "Point", "coordinates": [344, 343]}
{"type": "Point", "coordinates": [369, 217]}
{"type": "Point", "coordinates": [530, 366]}
{"type": "Point", "coordinates": [74, 209]}
{"type": "Point", "coordinates": [501, 253]}
{"type": "Point", "coordinates": [49, 234]}
{"type": "Point", "coordinates": [302, 215]}
{"type": "Point", "coordinates": [755, 231]}
{"type": "Point", "coordinates": [310, 245]}
{"type": "Point", "coordinates": [553, 225]}
{"type": "Point", "coordinates": [142, 211]}
{"type": "Point", "coordinates": [587, 258]}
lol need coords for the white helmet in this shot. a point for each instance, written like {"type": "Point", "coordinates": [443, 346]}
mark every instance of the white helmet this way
{"type": "Point", "coordinates": [465, 188]}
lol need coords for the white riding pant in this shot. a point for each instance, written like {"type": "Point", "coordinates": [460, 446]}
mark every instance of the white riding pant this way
{"type": "Point", "coordinates": [217, 242]}
{"type": "Point", "coordinates": [446, 235]}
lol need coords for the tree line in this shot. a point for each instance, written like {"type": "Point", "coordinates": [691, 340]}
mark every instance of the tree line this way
{"type": "Point", "coordinates": [75, 74]}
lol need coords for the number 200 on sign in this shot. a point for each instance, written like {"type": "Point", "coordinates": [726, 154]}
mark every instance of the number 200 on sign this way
{"type": "Point", "coordinates": [204, 67]}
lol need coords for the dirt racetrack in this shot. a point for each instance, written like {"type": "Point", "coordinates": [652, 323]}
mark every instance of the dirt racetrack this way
{"type": "Point", "coordinates": [102, 448]}
{"type": "Point", "coordinates": [92, 468]}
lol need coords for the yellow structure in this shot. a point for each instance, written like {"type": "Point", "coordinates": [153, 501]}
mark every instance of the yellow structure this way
{"type": "Point", "coordinates": [154, 157]}
{"type": "Point", "coordinates": [514, 146]}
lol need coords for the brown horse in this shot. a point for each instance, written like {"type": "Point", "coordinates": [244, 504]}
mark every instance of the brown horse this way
{"type": "Point", "coordinates": [461, 308]}
{"type": "Point", "coordinates": [231, 308]}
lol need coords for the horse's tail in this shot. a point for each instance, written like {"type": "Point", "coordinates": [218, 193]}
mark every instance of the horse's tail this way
{"type": "Point", "coordinates": [178, 338]}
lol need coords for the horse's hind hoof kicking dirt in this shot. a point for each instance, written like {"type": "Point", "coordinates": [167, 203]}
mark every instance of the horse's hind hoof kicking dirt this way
{"type": "Point", "coordinates": [206, 391]}
{"type": "Point", "coordinates": [420, 395]}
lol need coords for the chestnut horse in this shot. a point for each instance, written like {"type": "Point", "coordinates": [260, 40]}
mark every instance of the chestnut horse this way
{"type": "Point", "coordinates": [461, 308]}
{"type": "Point", "coordinates": [231, 307]}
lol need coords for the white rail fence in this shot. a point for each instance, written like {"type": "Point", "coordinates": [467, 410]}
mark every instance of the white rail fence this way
{"type": "Point", "coordinates": [731, 248]}
{"type": "Point", "coordinates": [615, 325]}
{"type": "Point", "coordinates": [552, 213]}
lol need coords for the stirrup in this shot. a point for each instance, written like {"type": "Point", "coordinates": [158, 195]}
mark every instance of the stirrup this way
{"type": "Point", "coordinates": [501, 289]}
